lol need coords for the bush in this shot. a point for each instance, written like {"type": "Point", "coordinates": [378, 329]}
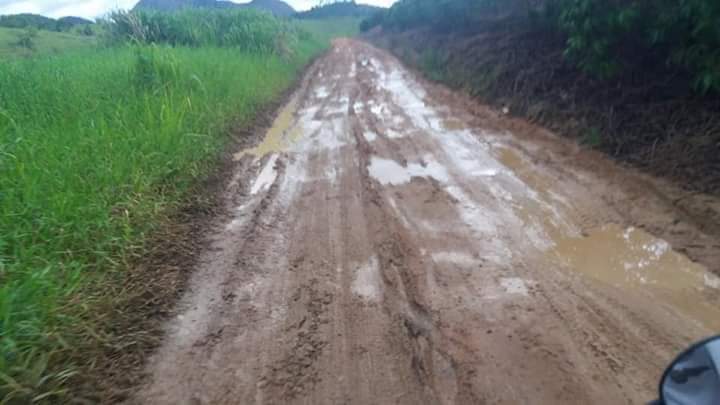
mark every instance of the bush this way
{"type": "Point", "coordinates": [607, 37]}
{"type": "Point", "coordinates": [26, 39]}
{"type": "Point", "coordinates": [372, 21]}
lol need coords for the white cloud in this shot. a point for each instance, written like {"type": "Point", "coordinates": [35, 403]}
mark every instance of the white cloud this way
{"type": "Point", "coordinates": [96, 8]}
{"type": "Point", "coordinates": [54, 8]}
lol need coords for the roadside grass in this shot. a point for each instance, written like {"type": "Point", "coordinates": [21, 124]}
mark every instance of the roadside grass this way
{"type": "Point", "coordinates": [97, 145]}
{"type": "Point", "coordinates": [46, 43]}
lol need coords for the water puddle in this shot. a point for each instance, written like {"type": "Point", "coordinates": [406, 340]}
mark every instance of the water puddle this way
{"type": "Point", "coordinates": [514, 285]}
{"type": "Point", "coordinates": [321, 92]}
{"type": "Point", "coordinates": [523, 170]}
{"type": "Point", "coordinates": [628, 259]}
{"type": "Point", "coordinates": [370, 136]}
{"type": "Point", "coordinates": [458, 258]}
{"type": "Point", "coordinates": [281, 134]}
{"type": "Point", "coordinates": [392, 134]}
{"type": "Point", "coordinates": [367, 280]}
{"type": "Point", "coordinates": [635, 261]}
{"type": "Point", "coordinates": [452, 124]}
{"type": "Point", "coordinates": [388, 171]}
{"type": "Point", "coordinates": [267, 176]}
{"type": "Point", "coordinates": [541, 211]}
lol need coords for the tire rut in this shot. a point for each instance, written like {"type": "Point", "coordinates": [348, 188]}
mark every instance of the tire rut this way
{"type": "Point", "coordinates": [404, 246]}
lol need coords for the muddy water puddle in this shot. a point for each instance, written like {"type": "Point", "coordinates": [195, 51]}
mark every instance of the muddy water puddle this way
{"type": "Point", "coordinates": [634, 261]}
{"type": "Point", "coordinates": [389, 172]}
{"type": "Point", "coordinates": [452, 124]}
{"type": "Point", "coordinates": [629, 259]}
{"type": "Point", "coordinates": [523, 170]}
{"type": "Point", "coordinates": [281, 134]}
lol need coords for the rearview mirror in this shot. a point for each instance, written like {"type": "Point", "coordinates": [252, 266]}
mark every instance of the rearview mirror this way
{"type": "Point", "coordinates": [693, 377]}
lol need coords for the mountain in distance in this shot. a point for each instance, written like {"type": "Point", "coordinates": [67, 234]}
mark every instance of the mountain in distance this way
{"type": "Point", "coordinates": [276, 7]}
{"type": "Point", "coordinates": [339, 9]}
{"type": "Point", "coordinates": [40, 22]}
{"type": "Point", "coordinates": [26, 20]}
{"type": "Point", "coordinates": [66, 23]}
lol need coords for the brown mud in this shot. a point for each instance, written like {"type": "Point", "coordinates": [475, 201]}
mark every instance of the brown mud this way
{"type": "Point", "coordinates": [128, 321]}
{"type": "Point", "coordinates": [393, 242]}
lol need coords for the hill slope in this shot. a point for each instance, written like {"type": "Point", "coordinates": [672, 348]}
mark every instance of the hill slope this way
{"type": "Point", "coordinates": [339, 9]}
{"type": "Point", "coordinates": [45, 43]}
{"type": "Point", "coordinates": [277, 7]}
{"type": "Point", "coordinates": [41, 22]}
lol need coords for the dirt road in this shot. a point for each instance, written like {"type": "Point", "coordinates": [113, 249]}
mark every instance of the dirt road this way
{"type": "Point", "coordinates": [389, 242]}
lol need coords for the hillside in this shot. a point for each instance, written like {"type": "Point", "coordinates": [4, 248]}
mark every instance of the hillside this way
{"type": "Point", "coordinates": [276, 7]}
{"type": "Point", "coordinates": [339, 9]}
{"type": "Point", "coordinates": [44, 43]}
{"type": "Point", "coordinates": [72, 21]}
{"type": "Point", "coordinates": [41, 22]}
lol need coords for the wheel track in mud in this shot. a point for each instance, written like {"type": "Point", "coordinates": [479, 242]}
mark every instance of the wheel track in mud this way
{"type": "Point", "coordinates": [438, 284]}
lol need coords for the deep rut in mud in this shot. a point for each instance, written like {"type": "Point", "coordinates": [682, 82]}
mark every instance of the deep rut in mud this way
{"type": "Point", "coordinates": [389, 242]}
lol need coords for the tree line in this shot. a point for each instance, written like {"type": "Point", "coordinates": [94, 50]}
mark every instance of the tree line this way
{"type": "Point", "coordinates": [604, 38]}
{"type": "Point", "coordinates": [39, 22]}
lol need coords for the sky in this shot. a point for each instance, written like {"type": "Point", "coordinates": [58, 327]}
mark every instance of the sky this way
{"type": "Point", "coordinates": [97, 8]}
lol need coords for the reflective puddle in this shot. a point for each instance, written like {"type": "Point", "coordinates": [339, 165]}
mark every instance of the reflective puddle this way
{"type": "Point", "coordinates": [281, 134]}
{"type": "Point", "coordinates": [523, 170]}
{"type": "Point", "coordinates": [388, 171]}
{"type": "Point", "coordinates": [629, 259]}
{"type": "Point", "coordinates": [635, 261]}
{"type": "Point", "coordinates": [452, 124]}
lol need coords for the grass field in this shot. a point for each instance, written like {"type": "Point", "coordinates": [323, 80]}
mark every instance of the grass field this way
{"type": "Point", "coordinates": [46, 43]}
{"type": "Point", "coordinates": [96, 144]}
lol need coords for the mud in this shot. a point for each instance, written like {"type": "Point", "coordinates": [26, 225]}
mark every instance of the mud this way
{"type": "Point", "coordinates": [390, 242]}
{"type": "Point", "coordinates": [278, 137]}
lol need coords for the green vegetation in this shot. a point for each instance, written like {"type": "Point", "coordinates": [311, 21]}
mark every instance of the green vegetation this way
{"type": "Point", "coordinates": [40, 22]}
{"type": "Point", "coordinates": [96, 145]}
{"type": "Point", "coordinates": [326, 29]}
{"type": "Point", "coordinates": [277, 8]}
{"type": "Point", "coordinates": [13, 42]}
{"type": "Point", "coordinates": [339, 9]}
{"type": "Point", "coordinates": [431, 62]}
{"type": "Point", "coordinates": [636, 79]}
{"type": "Point", "coordinates": [606, 38]}
{"type": "Point", "coordinates": [603, 38]}
{"type": "Point", "coordinates": [248, 30]}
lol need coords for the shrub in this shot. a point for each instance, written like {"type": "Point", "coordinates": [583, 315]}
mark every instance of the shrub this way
{"type": "Point", "coordinates": [26, 39]}
{"type": "Point", "coordinates": [607, 37]}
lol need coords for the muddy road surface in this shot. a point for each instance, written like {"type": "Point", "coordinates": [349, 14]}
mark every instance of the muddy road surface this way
{"type": "Point", "coordinates": [388, 242]}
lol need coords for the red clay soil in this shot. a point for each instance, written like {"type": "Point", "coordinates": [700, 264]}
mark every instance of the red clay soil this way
{"type": "Point", "coordinates": [391, 241]}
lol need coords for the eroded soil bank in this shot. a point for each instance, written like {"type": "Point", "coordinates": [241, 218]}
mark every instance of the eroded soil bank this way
{"type": "Point", "coordinates": [390, 241]}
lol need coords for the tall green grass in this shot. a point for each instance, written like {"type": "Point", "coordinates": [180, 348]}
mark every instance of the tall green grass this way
{"type": "Point", "coordinates": [249, 30]}
{"type": "Point", "coordinates": [46, 43]}
{"type": "Point", "coordinates": [94, 147]}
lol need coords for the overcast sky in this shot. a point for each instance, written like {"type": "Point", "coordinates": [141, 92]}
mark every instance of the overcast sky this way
{"type": "Point", "coordinates": [96, 8]}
